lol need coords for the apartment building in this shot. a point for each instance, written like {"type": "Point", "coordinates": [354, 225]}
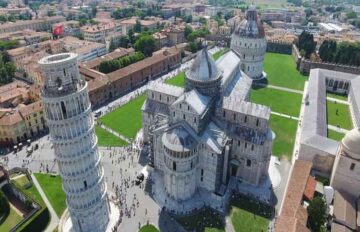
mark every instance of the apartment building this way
{"type": "Point", "coordinates": [43, 24]}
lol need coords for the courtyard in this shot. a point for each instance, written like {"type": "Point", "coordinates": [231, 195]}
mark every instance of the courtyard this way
{"type": "Point", "coordinates": [338, 115]}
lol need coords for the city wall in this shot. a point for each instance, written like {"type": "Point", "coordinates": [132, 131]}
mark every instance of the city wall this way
{"type": "Point", "coordinates": [304, 65]}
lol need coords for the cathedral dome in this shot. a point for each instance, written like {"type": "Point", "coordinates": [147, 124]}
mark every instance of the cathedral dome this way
{"type": "Point", "coordinates": [179, 140]}
{"type": "Point", "coordinates": [251, 26]}
{"type": "Point", "coordinates": [351, 141]}
{"type": "Point", "coordinates": [204, 68]}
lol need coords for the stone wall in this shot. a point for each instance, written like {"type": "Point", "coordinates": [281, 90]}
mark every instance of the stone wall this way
{"type": "Point", "coordinates": [279, 47]}
{"type": "Point", "coordinates": [304, 65]}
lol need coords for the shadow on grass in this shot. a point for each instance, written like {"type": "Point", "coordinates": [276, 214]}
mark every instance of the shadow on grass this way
{"type": "Point", "coordinates": [260, 84]}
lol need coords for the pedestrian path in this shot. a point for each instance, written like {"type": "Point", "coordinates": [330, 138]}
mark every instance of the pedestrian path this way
{"type": "Point", "coordinates": [337, 129]}
{"type": "Point", "coordinates": [54, 219]}
{"type": "Point", "coordinates": [279, 88]}
{"type": "Point", "coordinates": [115, 133]}
{"type": "Point", "coordinates": [337, 100]}
{"type": "Point", "coordinates": [284, 115]}
{"type": "Point", "coordinates": [229, 227]}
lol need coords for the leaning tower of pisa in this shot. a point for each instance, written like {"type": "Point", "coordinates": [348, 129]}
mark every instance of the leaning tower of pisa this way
{"type": "Point", "coordinates": [69, 118]}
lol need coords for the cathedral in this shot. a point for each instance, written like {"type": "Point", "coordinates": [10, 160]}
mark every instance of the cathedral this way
{"type": "Point", "coordinates": [204, 134]}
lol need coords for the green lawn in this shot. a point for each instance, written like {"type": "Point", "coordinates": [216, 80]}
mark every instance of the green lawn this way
{"type": "Point", "coordinates": [244, 221]}
{"type": "Point", "coordinates": [205, 220]}
{"type": "Point", "coordinates": [337, 96]}
{"type": "Point", "coordinates": [220, 53]}
{"type": "Point", "coordinates": [335, 135]}
{"type": "Point", "coordinates": [249, 215]}
{"type": "Point", "coordinates": [285, 132]}
{"type": "Point", "coordinates": [281, 71]}
{"type": "Point", "coordinates": [53, 190]}
{"type": "Point", "coordinates": [178, 80]}
{"type": "Point", "coordinates": [338, 115]}
{"type": "Point", "coordinates": [106, 139]}
{"type": "Point", "coordinates": [148, 228]}
{"type": "Point", "coordinates": [278, 100]}
{"type": "Point", "coordinates": [12, 220]}
{"type": "Point", "coordinates": [22, 181]}
{"type": "Point", "coordinates": [126, 120]}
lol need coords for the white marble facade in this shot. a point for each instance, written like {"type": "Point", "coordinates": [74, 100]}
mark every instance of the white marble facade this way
{"type": "Point", "coordinates": [204, 133]}
{"type": "Point", "coordinates": [248, 41]}
{"type": "Point", "coordinates": [69, 118]}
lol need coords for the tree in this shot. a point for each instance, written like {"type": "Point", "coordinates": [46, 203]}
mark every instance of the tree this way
{"type": "Point", "coordinates": [306, 42]}
{"type": "Point", "coordinates": [317, 211]}
{"type": "Point", "coordinates": [131, 36]}
{"type": "Point", "coordinates": [351, 15]}
{"type": "Point", "coordinates": [137, 26]}
{"type": "Point", "coordinates": [124, 41]}
{"type": "Point", "coordinates": [327, 50]}
{"type": "Point", "coordinates": [188, 31]}
{"type": "Point", "coordinates": [146, 45]}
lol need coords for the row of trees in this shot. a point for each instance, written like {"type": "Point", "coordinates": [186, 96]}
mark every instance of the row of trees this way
{"type": "Point", "coordinates": [113, 65]}
{"type": "Point", "coordinates": [342, 53]}
{"type": "Point", "coordinates": [12, 18]}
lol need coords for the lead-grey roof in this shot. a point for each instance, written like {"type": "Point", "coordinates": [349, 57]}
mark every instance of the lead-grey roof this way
{"type": "Point", "coordinates": [214, 137]}
{"type": "Point", "coordinates": [248, 108]}
{"type": "Point", "coordinates": [195, 100]}
{"type": "Point", "coordinates": [155, 107]}
{"type": "Point", "coordinates": [203, 67]}
{"type": "Point", "coordinates": [229, 65]}
{"type": "Point", "coordinates": [161, 87]}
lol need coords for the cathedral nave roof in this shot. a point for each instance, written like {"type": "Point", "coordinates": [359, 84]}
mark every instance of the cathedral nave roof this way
{"type": "Point", "coordinates": [195, 100]}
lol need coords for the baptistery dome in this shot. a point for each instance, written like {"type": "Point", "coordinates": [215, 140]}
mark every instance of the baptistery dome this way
{"type": "Point", "coordinates": [251, 26]}
{"type": "Point", "coordinates": [351, 142]}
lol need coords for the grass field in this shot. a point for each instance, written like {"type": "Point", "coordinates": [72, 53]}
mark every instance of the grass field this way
{"type": "Point", "coordinates": [281, 71]}
{"type": "Point", "coordinates": [337, 96]}
{"type": "Point", "coordinates": [12, 220]}
{"type": "Point", "coordinates": [106, 139]}
{"type": "Point", "coordinates": [218, 54]}
{"type": "Point", "coordinates": [22, 181]}
{"type": "Point", "coordinates": [178, 80]}
{"type": "Point", "coordinates": [338, 115]}
{"type": "Point", "coordinates": [278, 100]}
{"type": "Point", "coordinates": [53, 191]}
{"type": "Point", "coordinates": [335, 135]}
{"type": "Point", "coordinates": [248, 215]}
{"type": "Point", "coordinates": [126, 120]}
{"type": "Point", "coordinates": [285, 132]}
{"type": "Point", "coordinates": [205, 220]}
{"type": "Point", "coordinates": [148, 228]}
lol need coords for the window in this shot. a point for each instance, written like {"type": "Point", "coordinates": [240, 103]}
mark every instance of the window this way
{"type": "Point", "coordinates": [252, 147]}
{"type": "Point", "coordinates": [245, 118]}
{"type": "Point", "coordinates": [180, 106]}
{"type": "Point", "coordinates": [248, 163]}
{"type": "Point", "coordinates": [63, 109]}
{"type": "Point", "coordinates": [184, 117]}
{"type": "Point", "coordinates": [257, 122]}
{"type": "Point", "coordinates": [238, 142]}
{"type": "Point", "coordinates": [224, 114]}
{"type": "Point", "coordinates": [352, 166]}
{"type": "Point", "coordinates": [160, 97]}
{"type": "Point", "coordinates": [202, 171]}
{"type": "Point", "coordinates": [194, 120]}
{"type": "Point", "coordinates": [174, 165]}
{"type": "Point", "coordinates": [234, 117]}
{"type": "Point", "coordinates": [167, 99]}
{"type": "Point", "coordinates": [85, 184]}
{"type": "Point", "coordinates": [245, 145]}
{"type": "Point", "coordinates": [174, 113]}
{"type": "Point", "coordinates": [152, 95]}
